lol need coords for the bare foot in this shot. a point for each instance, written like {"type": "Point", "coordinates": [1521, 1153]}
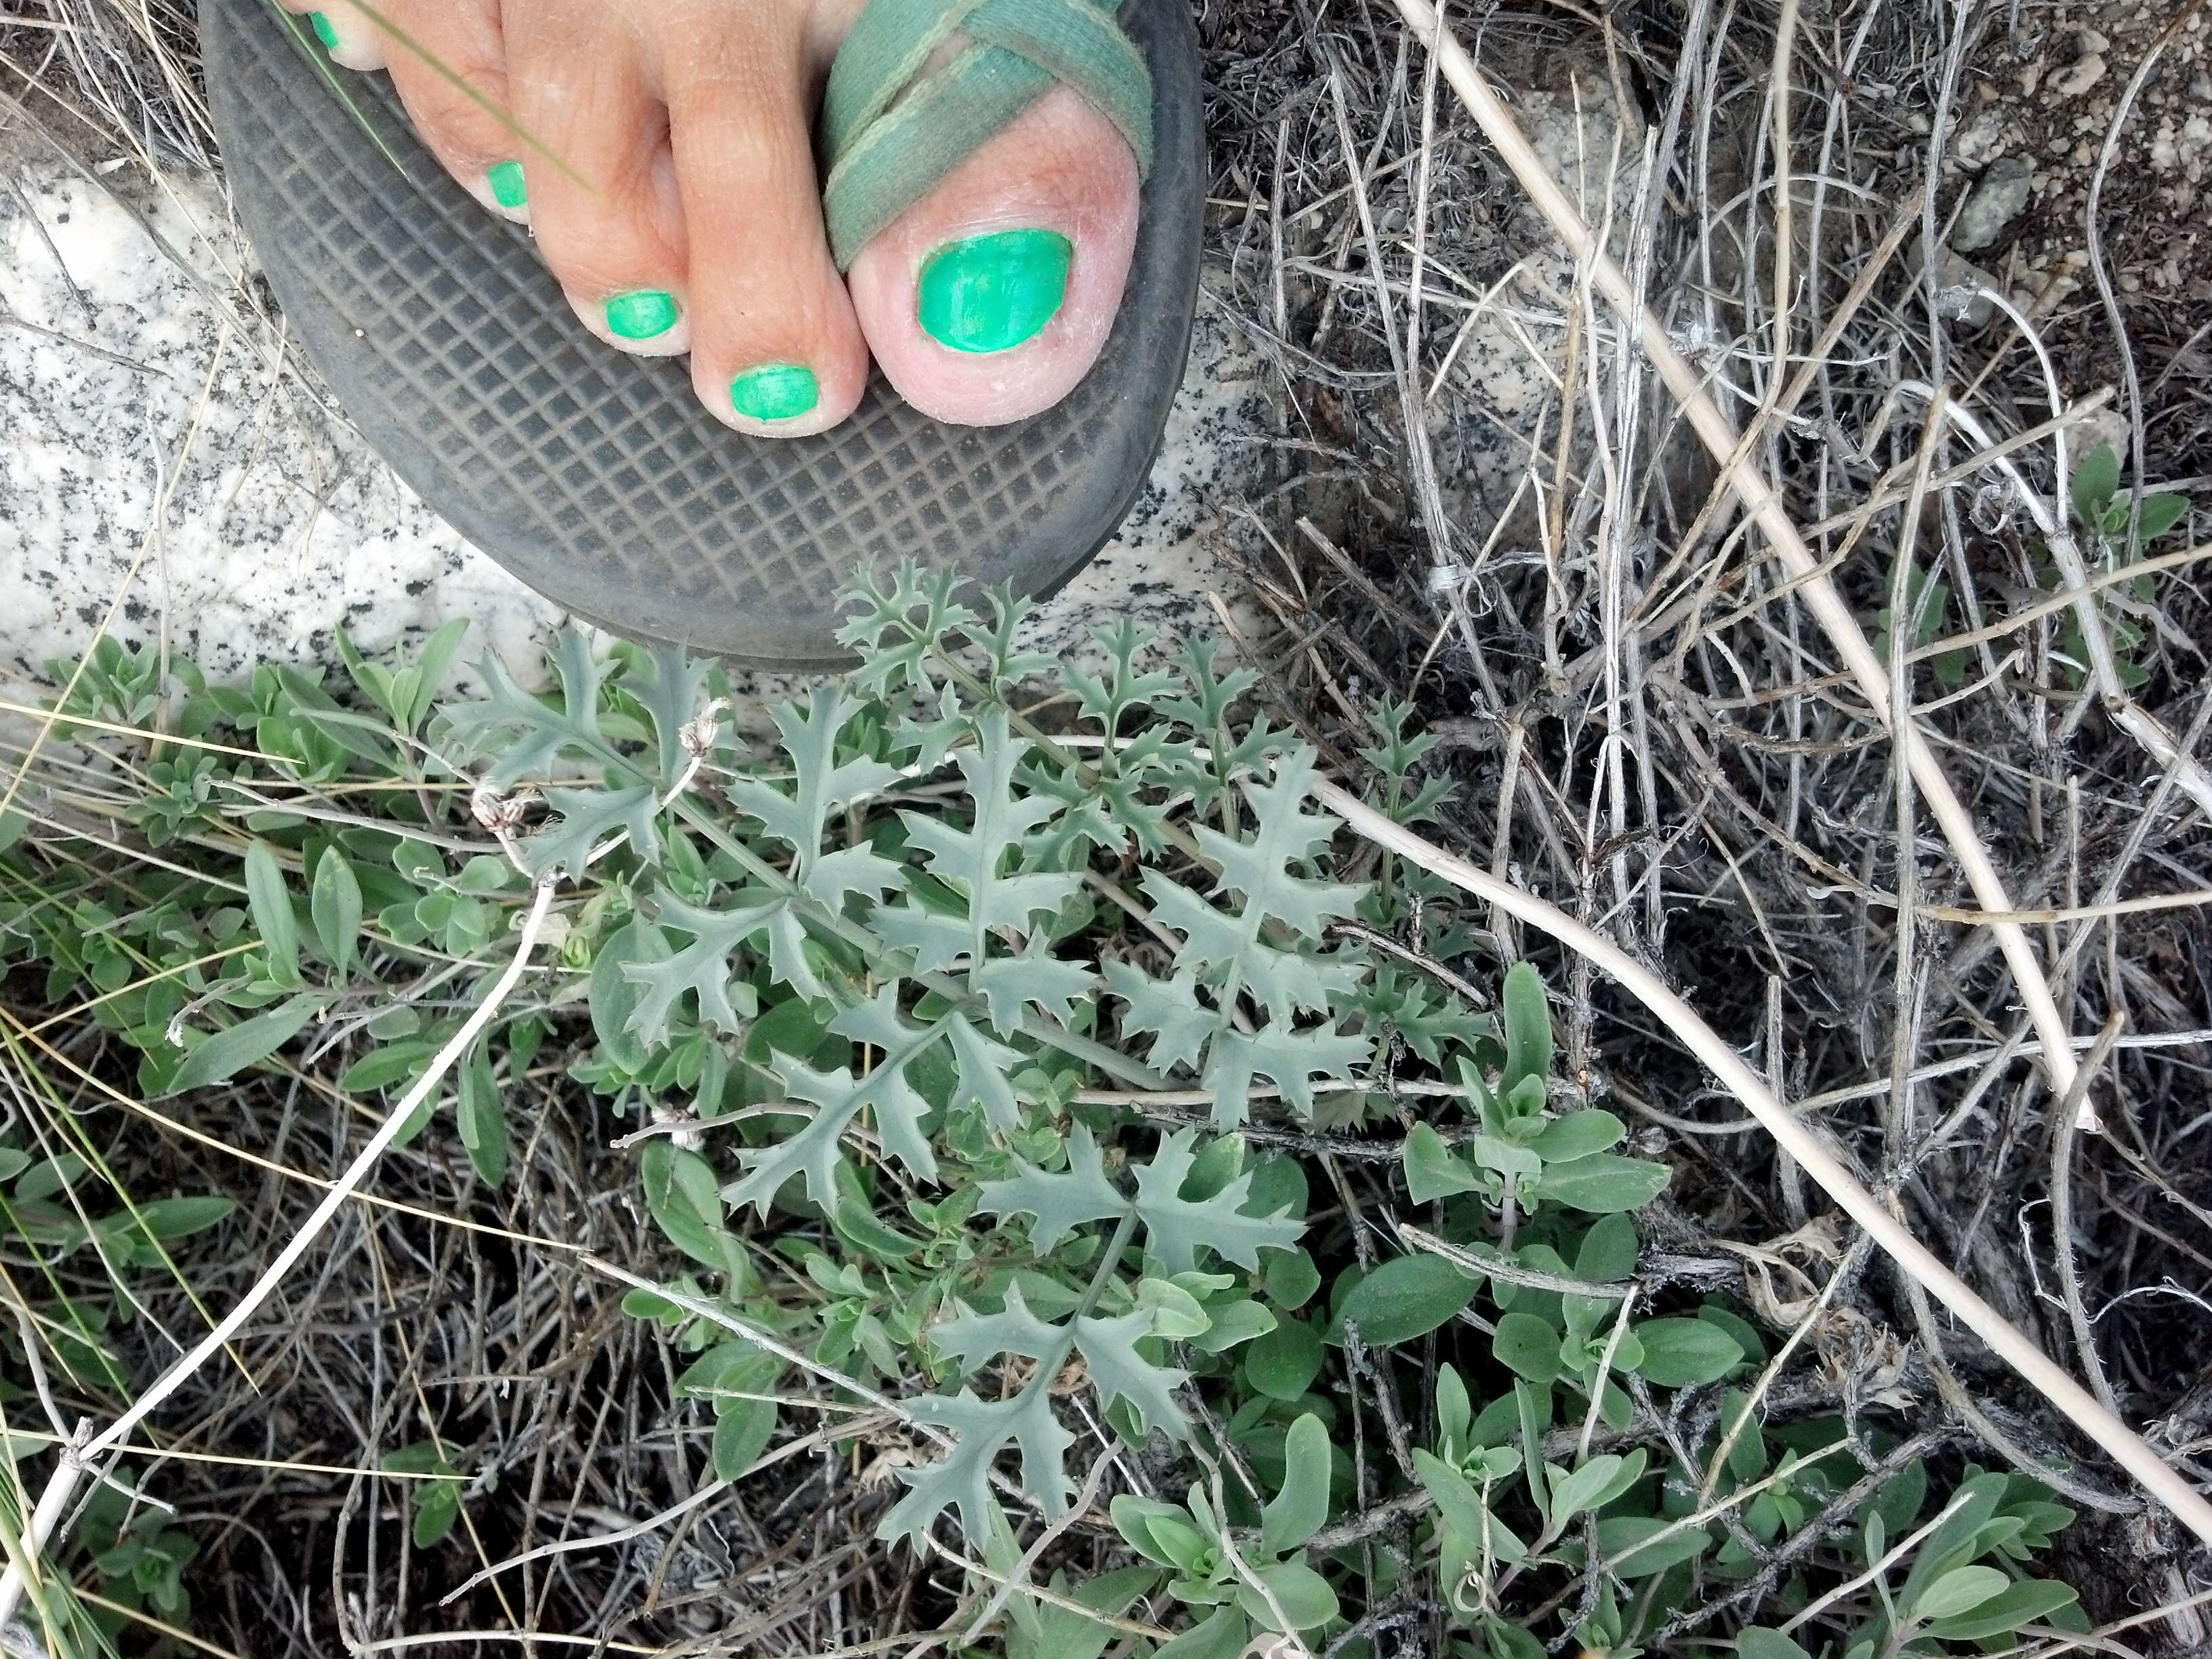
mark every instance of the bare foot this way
{"type": "Point", "coordinates": [683, 213]}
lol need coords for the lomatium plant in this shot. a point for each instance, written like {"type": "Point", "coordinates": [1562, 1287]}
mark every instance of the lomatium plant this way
{"type": "Point", "coordinates": [1015, 1053]}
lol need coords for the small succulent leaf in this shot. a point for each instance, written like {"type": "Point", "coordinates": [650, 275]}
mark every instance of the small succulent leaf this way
{"type": "Point", "coordinates": [1059, 1200]}
{"type": "Point", "coordinates": [1406, 1297]}
{"type": "Point", "coordinates": [1432, 1170]}
{"type": "Point", "coordinates": [1758, 1641]}
{"type": "Point", "coordinates": [1454, 1495]}
{"type": "Point", "coordinates": [1603, 1182]}
{"type": "Point", "coordinates": [981, 1430]}
{"type": "Point", "coordinates": [1282, 1364]}
{"type": "Point", "coordinates": [702, 968]}
{"type": "Point", "coordinates": [1297, 1511]}
{"type": "Point", "coordinates": [1528, 1027]}
{"type": "Point", "coordinates": [587, 817]}
{"type": "Point", "coordinates": [1581, 1489]}
{"type": "Point", "coordinates": [1528, 1346]}
{"type": "Point", "coordinates": [334, 903]}
{"type": "Point", "coordinates": [1578, 1134]}
{"type": "Point", "coordinates": [1680, 1353]}
{"type": "Point", "coordinates": [1176, 1228]}
{"type": "Point", "coordinates": [2096, 480]}
{"type": "Point", "coordinates": [1303, 1594]}
{"type": "Point", "coordinates": [1959, 1591]}
{"type": "Point", "coordinates": [1293, 1060]}
{"type": "Point", "coordinates": [1224, 1633]}
{"type": "Point", "coordinates": [1137, 1519]}
{"type": "Point", "coordinates": [2023, 1603]}
{"type": "Point", "coordinates": [271, 903]}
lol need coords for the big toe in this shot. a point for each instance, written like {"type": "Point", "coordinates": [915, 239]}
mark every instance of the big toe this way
{"type": "Point", "coordinates": [989, 299]}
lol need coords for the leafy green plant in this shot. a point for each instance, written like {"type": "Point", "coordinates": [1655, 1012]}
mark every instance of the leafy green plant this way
{"type": "Point", "coordinates": [2103, 511]}
{"type": "Point", "coordinates": [997, 1082]}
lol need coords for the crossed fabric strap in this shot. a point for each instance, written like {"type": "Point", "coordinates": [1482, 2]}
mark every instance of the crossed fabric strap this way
{"type": "Point", "coordinates": [891, 132]}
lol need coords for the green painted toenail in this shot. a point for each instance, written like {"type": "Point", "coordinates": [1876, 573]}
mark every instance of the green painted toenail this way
{"type": "Point", "coordinates": [774, 391]}
{"type": "Point", "coordinates": [507, 188]}
{"type": "Point", "coordinates": [642, 315]}
{"type": "Point", "coordinates": [324, 32]}
{"type": "Point", "coordinates": [991, 293]}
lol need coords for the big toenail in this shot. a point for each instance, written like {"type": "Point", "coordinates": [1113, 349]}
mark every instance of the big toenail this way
{"type": "Point", "coordinates": [507, 188]}
{"type": "Point", "coordinates": [324, 32]}
{"type": "Point", "coordinates": [774, 391]}
{"type": "Point", "coordinates": [643, 314]}
{"type": "Point", "coordinates": [991, 293]}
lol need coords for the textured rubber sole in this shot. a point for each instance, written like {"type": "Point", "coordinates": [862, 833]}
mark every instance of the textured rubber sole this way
{"type": "Point", "coordinates": [596, 477]}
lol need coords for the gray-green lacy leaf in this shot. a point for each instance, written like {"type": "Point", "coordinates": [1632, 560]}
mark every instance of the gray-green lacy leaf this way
{"type": "Point", "coordinates": [991, 863]}
{"type": "Point", "coordinates": [984, 1070]}
{"type": "Point", "coordinates": [1059, 1200]}
{"type": "Point", "coordinates": [1166, 1010]}
{"type": "Point", "coordinates": [1043, 981]}
{"type": "Point", "coordinates": [527, 735]}
{"type": "Point", "coordinates": [1293, 1060]}
{"type": "Point", "coordinates": [839, 1097]}
{"type": "Point", "coordinates": [821, 785]}
{"type": "Point", "coordinates": [588, 816]}
{"type": "Point", "coordinates": [669, 689]}
{"type": "Point", "coordinates": [702, 968]}
{"type": "Point", "coordinates": [1176, 1228]}
{"type": "Point", "coordinates": [1108, 1347]}
{"type": "Point", "coordinates": [981, 1430]}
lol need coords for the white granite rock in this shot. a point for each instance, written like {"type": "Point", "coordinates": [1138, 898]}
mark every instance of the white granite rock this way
{"type": "Point", "coordinates": [156, 466]}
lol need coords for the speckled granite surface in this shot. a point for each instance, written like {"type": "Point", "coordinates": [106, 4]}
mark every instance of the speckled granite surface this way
{"type": "Point", "coordinates": [157, 453]}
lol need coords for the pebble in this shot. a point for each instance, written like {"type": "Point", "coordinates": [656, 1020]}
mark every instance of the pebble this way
{"type": "Point", "coordinates": [2080, 77]}
{"type": "Point", "coordinates": [1998, 199]}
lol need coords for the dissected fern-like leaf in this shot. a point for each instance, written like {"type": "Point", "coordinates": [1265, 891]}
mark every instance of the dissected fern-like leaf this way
{"type": "Point", "coordinates": [1176, 1229]}
{"type": "Point", "coordinates": [669, 692]}
{"type": "Point", "coordinates": [1168, 1011]}
{"type": "Point", "coordinates": [529, 734]}
{"type": "Point", "coordinates": [821, 785]}
{"type": "Point", "coordinates": [839, 1097]}
{"type": "Point", "coordinates": [981, 1430]}
{"type": "Point", "coordinates": [1292, 1059]}
{"type": "Point", "coordinates": [985, 1071]}
{"type": "Point", "coordinates": [702, 968]}
{"type": "Point", "coordinates": [976, 862]}
{"type": "Point", "coordinates": [1108, 1347]}
{"type": "Point", "coordinates": [586, 816]}
{"type": "Point", "coordinates": [1230, 950]}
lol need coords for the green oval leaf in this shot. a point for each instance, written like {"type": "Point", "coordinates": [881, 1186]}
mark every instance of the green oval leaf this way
{"type": "Point", "coordinates": [1679, 1353]}
{"type": "Point", "coordinates": [1405, 1298]}
{"type": "Point", "coordinates": [227, 1052]}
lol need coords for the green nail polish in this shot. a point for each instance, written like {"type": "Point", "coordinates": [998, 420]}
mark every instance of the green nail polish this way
{"type": "Point", "coordinates": [774, 391]}
{"type": "Point", "coordinates": [324, 32]}
{"type": "Point", "coordinates": [507, 188]}
{"type": "Point", "coordinates": [991, 293]}
{"type": "Point", "coordinates": [643, 315]}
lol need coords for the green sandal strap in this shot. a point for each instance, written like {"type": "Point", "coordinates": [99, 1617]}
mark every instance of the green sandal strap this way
{"type": "Point", "coordinates": [891, 132]}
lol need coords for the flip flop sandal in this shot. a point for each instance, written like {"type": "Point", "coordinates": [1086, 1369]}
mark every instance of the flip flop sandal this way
{"type": "Point", "coordinates": [596, 477]}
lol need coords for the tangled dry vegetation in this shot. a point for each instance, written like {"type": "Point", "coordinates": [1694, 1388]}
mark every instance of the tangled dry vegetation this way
{"type": "Point", "coordinates": [1642, 718]}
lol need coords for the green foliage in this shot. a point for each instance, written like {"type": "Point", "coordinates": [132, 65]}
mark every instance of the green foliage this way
{"type": "Point", "coordinates": [1004, 1081]}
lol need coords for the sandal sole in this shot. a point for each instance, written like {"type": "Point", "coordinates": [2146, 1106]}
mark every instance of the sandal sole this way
{"type": "Point", "coordinates": [598, 479]}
